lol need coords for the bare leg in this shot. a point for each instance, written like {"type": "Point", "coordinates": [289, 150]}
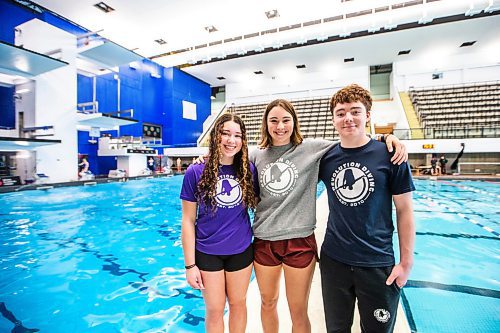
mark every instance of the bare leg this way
{"type": "Point", "coordinates": [298, 286]}
{"type": "Point", "coordinates": [214, 295]}
{"type": "Point", "coordinates": [268, 279]}
{"type": "Point", "coordinates": [236, 289]}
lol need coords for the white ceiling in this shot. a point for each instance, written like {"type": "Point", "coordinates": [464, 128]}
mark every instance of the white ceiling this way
{"type": "Point", "coordinates": [136, 24]}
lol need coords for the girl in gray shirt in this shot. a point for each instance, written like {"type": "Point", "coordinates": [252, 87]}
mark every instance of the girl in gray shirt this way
{"type": "Point", "coordinates": [285, 217]}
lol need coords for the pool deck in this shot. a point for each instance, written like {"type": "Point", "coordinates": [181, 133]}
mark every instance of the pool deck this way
{"type": "Point", "coordinates": [89, 182]}
{"type": "Point", "coordinates": [316, 314]}
{"type": "Point", "coordinates": [104, 180]}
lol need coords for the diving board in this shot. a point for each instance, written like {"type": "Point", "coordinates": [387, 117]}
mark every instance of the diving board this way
{"type": "Point", "coordinates": [15, 60]}
{"type": "Point", "coordinates": [103, 120]}
{"type": "Point", "coordinates": [108, 54]}
{"type": "Point", "coordinates": [14, 144]}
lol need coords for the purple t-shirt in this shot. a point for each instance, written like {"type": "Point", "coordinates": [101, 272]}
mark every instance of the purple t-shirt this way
{"type": "Point", "coordinates": [228, 230]}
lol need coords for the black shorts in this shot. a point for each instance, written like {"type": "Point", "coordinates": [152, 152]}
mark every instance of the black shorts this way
{"type": "Point", "coordinates": [229, 263]}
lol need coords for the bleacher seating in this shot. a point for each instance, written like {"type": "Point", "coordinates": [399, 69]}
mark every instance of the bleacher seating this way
{"type": "Point", "coordinates": [314, 117]}
{"type": "Point", "coordinates": [468, 108]}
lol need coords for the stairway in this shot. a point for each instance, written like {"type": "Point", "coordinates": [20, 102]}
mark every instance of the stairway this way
{"type": "Point", "coordinates": [411, 116]}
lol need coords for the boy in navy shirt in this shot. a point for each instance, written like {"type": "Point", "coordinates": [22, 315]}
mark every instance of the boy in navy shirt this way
{"type": "Point", "coordinates": [357, 257]}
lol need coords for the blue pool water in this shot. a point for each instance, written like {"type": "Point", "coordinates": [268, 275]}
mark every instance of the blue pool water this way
{"type": "Point", "coordinates": [454, 285]}
{"type": "Point", "coordinates": [108, 258]}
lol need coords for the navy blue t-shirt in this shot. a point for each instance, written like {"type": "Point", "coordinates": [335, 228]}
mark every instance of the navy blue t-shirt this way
{"type": "Point", "coordinates": [360, 183]}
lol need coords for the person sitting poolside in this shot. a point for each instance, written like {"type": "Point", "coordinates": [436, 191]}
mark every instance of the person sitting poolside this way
{"type": "Point", "coordinates": [83, 166]}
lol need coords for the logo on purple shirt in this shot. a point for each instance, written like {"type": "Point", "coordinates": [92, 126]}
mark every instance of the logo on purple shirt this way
{"type": "Point", "coordinates": [228, 192]}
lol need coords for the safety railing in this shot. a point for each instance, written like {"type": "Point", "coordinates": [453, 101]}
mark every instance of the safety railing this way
{"type": "Point", "coordinates": [454, 132]}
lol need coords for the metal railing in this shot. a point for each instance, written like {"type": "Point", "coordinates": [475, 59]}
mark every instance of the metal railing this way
{"type": "Point", "coordinates": [451, 132]}
{"type": "Point", "coordinates": [208, 124]}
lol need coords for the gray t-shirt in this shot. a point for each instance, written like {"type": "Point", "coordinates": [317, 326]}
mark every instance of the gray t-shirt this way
{"type": "Point", "coordinates": [288, 176]}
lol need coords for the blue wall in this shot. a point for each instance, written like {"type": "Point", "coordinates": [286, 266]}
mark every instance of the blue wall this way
{"type": "Point", "coordinates": [154, 100]}
{"type": "Point", "coordinates": [7, 107]}
{"type": "Point", "coordinates": [12, 14]}
{"type": "Point", "coordinates": [186, 88]}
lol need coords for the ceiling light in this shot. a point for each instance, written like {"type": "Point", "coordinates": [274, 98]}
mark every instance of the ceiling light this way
{"type": "Point", "coordinates": [473, 11]}
{"type": "Point", "coordinates": [425, 19]}
{"type": "Point", "coordinates": [302, 41]}
{"type": "Point", "coordinates": [468, 44]}
{"type": "Point", "coordinates": [272, 14]}
{"type": "Point", "coordinates": [160, 41]}
{"type": "Point", "coordinates": [348, 59]}
{"type": "Point", "coordinates": [258, 72]}
{"type": "Point", "coordinates": [301, 66]}
{"type": "Point", "coordinates": [492, 7]}
{"type": "Point", "coordinates": [277, 45]}
{"type": "Point", "coordinates": [390, 26]}
{"type": "Point", "coordinates": [211, 28]}
{"type": "Point", "coordinates": [104, 7]}
{"type": "Point", "coordinates": [322, 38]}
{"type": "Point", "coordinates": [22, 91]}
{"type": "Point", "coordinates": [403, 52]}
{"type": "Point", "coordinates": [437, 76]}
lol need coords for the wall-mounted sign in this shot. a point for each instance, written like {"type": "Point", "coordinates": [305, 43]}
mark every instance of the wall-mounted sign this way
{"type": "Point", "coordinates": [428, 146]}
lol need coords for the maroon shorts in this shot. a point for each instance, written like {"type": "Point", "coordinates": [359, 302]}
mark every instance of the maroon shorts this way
{"type": "Point", "coordinates": [296, 252]}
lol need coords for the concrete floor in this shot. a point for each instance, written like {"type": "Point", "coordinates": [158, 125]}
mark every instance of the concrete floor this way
{"type": "Point", "coordinates": [316, 314]}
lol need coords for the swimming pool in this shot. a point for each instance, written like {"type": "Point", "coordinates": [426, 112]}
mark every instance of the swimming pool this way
{"type": "Point", "coordinates": [105, 258]}
{"type": "Point", "coordinates": [108, 258]}
{"type": "Point", "coordinates": [454, 285]}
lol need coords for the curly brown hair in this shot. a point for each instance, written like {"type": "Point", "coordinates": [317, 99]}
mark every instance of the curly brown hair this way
{"type": "Point", "coordinates": [350, 94]}
{"type": "Point", "coordinates": [266, 139]}
{"type": "Point", "coordinates": [207, 186]}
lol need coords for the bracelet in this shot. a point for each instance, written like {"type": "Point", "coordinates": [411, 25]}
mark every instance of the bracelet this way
{"type": "Point", "coordinates": [189, 266]}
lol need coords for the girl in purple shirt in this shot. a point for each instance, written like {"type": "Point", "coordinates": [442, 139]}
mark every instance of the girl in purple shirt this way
{"type": "Point", "coordinates": [216, 230]}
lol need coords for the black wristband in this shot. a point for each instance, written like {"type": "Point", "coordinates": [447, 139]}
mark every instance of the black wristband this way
{"type": "Point", "coordinates": [189, 266]}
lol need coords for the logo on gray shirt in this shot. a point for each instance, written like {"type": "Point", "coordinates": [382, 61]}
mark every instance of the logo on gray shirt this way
{"type": "Point", "coordinates": [279, 178]}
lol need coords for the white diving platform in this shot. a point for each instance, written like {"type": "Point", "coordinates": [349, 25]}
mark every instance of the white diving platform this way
{"type": "Point", "coordinates": [103, 121]}
{"type": "Point", "coordinates": [107, 54]}
{"type": "Point", "coordinates": [15, 144]}
{"type": "Point", "coordinates": [15, 60]}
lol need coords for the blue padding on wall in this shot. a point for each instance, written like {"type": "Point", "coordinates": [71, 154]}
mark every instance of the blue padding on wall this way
{"type": "Point", "coordinates": [7, 108]}
{"type": "Point", "coordinates": [11, 15]}
{"type": "Point", "coordinates": [181, 131]}
{"type": "Point", "coordinates": [84, 89]}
